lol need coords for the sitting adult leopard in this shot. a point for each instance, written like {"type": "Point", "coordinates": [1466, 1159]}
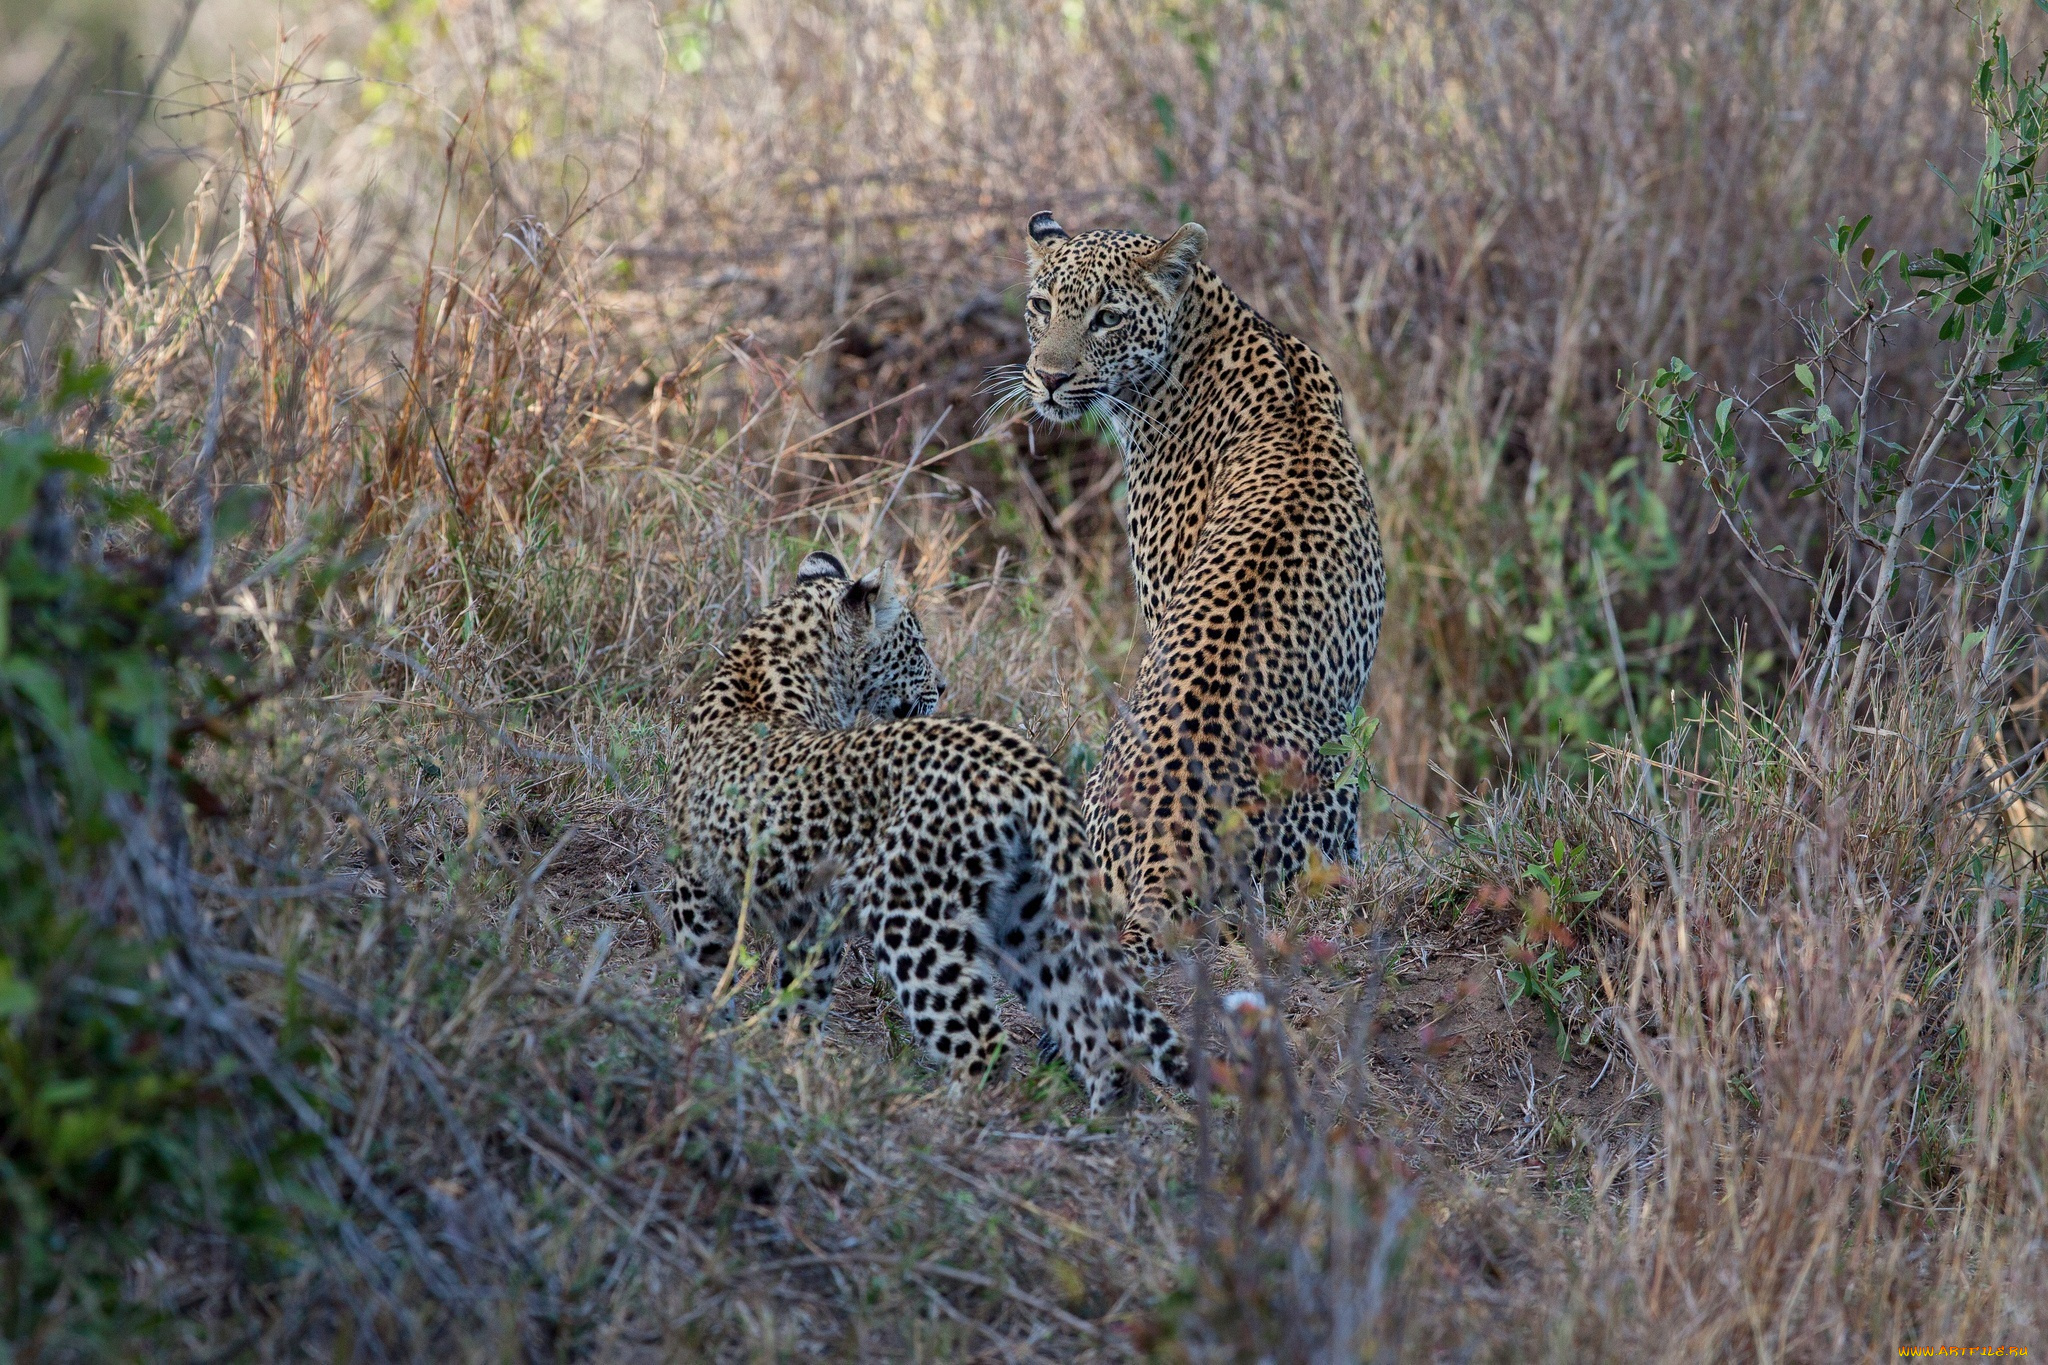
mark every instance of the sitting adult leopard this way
{"type": "Point", "coordinates": [1256, 552]}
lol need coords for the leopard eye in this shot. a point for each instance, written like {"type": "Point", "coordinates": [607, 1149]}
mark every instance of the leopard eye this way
{"type": "Point", "coordinates": [1040, 306]}
{"type": "Point", "coordinates": [1108, 318]}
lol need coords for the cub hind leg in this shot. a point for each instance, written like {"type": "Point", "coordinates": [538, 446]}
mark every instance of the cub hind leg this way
{"type": "Point", "coordinates": [702, 925]}
{"type": "Point", "coordinates": [932, 944]}
{"type": "Point", "coordinates": [1059, 956]}
{"type": "Point", "coordinates": [1037, 957]}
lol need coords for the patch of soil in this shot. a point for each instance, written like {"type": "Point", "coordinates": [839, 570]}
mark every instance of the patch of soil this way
{"type": "Point", "coordinates": [1457, 1070]}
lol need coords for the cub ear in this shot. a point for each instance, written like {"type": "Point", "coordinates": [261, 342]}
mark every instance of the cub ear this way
{"type": "Point", "coordinates": [860, 594]}
{"type": "Point", "coordinates": [889, 603]}
{"type": "Point", "coordinates": [818, 564]}
{"type": "Point", "coordinates": [1171, 264]}
{"type": "Point", "coordinates": [1042, 231]}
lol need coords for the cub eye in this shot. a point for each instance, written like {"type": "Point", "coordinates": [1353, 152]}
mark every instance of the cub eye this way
{"type": "Point", "coordinates": [1108, 318]}
{"type": "Point", "coordinates": [1039, 307]}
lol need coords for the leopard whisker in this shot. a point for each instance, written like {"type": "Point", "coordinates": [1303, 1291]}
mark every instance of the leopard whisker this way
{"type": "Point", "coordinates": [1126, 417]}
{"type": "Point", "coordinates": [1000, 376]}
{"type": "Point", "coordinates": [1002, 409]}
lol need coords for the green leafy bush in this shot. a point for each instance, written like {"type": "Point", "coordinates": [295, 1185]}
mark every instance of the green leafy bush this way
{"type": "Point", "coordinates": [106, 682]}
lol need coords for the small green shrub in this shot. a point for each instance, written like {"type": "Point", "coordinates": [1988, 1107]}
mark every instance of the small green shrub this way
{"type": "Point", "coordinates": [106, 683]}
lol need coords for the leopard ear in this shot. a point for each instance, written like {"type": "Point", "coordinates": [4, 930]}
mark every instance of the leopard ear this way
{"type": "Point", "coordinates": [818, 564]}
{"type": "Point", "coordinates": [1042, 231]}
{"type": "Point", "coordinates": [1171, 264]}
{"type": "Point", "coordinates": [860, 594]}
{"type": "Point", "coordinates": [889, 604]}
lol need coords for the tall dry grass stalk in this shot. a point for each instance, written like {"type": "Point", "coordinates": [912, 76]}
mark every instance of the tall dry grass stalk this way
{"type": "Point", "coordinates": [1481, 214]}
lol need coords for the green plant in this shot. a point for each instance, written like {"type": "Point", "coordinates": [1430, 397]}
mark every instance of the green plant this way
{"type": "Point", "coordinates": [1354, 746]}
{"type": "Point", "coordinates": [1536, 966]}
{"type": "Point", "coordinates": [1560, 871]}
{"type": "Point", "coordinates": [1610, 540]}
{"type": "Point", "coordinates": [1536, 971]}
{"type": "Point", "coordinates": [1945, 519]}
{"type": "Point", "coordinates": [106, 683]}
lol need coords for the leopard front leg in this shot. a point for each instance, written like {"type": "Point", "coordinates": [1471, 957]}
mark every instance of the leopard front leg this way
{"type": "Point", "coordinates": [701, 926]}
{"type": "Point", "coordinates": [809, 969]}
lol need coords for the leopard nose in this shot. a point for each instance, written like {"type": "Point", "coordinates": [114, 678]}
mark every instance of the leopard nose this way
{"type": "Point", "coordinates": [1052, 380]}
{"type": "Point", "coordinates": [939, 685]}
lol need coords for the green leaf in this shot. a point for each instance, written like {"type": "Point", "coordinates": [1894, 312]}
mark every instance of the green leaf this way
{"type": "Point", "coordinates": [2024, 355]}
{"type": "Point", "coordinates": [77, 461]}
{"type": "Point", "coordinates": [85, 1133]}
{"type": "Point", "coordinates": [34, 680]}
{"type": "Point", "coordinates": [1976, 290]}
{"type": "Point", "coordinates": [137, 688]}
{"type": "Point", "coordinates": [126, 505]}
{"type": "Point", "coordinates": [58, 1093]}
{"type": "Point", "coordinates": [75, 384]}
{"type": "Point", "coordinates": [17, 997]}
{"type": "Point", "coordinates": [239, 508]}
{"type": "Point", "coordinates": [1163, 108]}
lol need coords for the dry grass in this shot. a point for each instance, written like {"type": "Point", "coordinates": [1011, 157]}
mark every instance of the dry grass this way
{"type": "Point", "coordinates": [593, 319]}
{"type": "Point", "coordinates": [1480, 215]}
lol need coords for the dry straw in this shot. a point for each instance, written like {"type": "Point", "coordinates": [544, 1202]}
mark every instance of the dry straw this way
{"type": "Point", "coordinates": [589, 322]}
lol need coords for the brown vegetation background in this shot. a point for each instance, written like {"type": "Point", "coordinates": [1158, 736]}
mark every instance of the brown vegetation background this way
{"type": "Point", "coordinates": [590, 318]}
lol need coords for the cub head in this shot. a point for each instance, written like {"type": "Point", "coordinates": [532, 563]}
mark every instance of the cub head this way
{"type": "Point", "coordinates": [1100, 312]}
{"type": "Point", "coordinates": [875, 660]}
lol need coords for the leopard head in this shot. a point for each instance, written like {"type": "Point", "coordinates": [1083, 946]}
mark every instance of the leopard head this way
{"type": "Point", "coordinates": [1100, 313]}
{"type": "Point", "coordinates": [826, 652]}
{"type": "Point", "coordinates": [878, 657]}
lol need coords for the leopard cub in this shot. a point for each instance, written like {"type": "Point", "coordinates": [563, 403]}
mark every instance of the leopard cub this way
{"type": "Point", "coordinates": [954, 845]}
